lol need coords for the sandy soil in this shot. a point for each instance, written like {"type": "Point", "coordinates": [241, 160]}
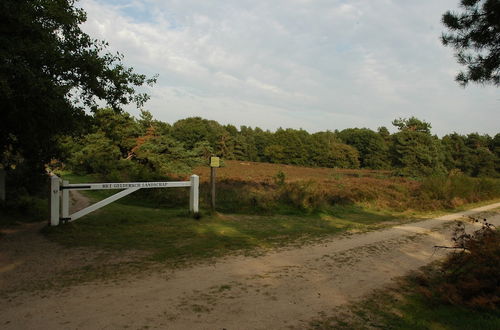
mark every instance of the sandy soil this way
{"type": "Point", "coordinates": [282, 289]}
{"type": "Point", "coordinates": [28, 260]}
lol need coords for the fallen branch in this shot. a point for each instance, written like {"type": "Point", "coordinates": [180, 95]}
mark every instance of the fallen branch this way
{"type": "Point", "coordinates": [449, 247]}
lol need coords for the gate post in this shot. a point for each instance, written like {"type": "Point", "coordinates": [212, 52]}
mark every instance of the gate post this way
{"type": "Point", "coordinates": [65, 201]}
{"type": "Point", "coordinates": [194, 194]}
{"type": "Point", "coordinates": [55, 188]}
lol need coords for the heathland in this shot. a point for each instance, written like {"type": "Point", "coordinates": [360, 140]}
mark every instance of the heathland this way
{"type": "Point", "coordinates": [280, 191]}
{"type": "Point", "coordinates": [303, 221]}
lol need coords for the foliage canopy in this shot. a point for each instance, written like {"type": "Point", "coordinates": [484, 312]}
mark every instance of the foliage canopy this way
{"type": "Point", "coordinates": [50, 71]}
{"type": "Point", "coordinates": [475, 35]}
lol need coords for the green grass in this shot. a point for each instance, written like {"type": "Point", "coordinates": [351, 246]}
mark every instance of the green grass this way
{"type": "Point", "coordinates": [403, 307]}
{"type": "Point", "coordinates": [173, 235]}
{"type": "Point", "coordinates": [170, 234]}
{"type": "Point", "coordinates": [417, 313]}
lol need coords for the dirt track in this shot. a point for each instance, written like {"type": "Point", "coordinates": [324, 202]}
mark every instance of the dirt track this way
{"type": "Point", "coordinates": [279, 290]}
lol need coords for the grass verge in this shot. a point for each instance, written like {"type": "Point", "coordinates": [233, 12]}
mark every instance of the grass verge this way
{"type": "Point", "coordinates": [172, 235]}
{"type": "Point", "coordinates": [169, 234]}
{"type": "Point", "coordinates": [403, 307]}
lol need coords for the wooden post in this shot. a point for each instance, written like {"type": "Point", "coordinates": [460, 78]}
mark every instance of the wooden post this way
{"type": "Point", "coordinates": [65, 201]}
{"type": "Point", "coordinates": [212, 184]}
{"type": "Point", "coordinates": [214, 163]}
{"type": "Point", "coordinates": [194, 194]}
{"type": "Point", "coordinates": [55, 188]}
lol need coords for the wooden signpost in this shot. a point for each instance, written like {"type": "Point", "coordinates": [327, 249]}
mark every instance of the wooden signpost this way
{"type": "Point", "coordinates": [214, 163]}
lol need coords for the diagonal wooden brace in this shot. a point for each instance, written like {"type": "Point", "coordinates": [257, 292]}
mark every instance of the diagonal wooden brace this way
{"type": "Point", "coordinates": [102, 203]}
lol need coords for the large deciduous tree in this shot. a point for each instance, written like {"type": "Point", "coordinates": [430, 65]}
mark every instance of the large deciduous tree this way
{"type": "Point", "coordinates": [50, 72]}
{"type": "Point", "coordinates": [475, 35]}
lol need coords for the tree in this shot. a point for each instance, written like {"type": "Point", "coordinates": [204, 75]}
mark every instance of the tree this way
{"type": "Point", "coordinates": [412, 124]}
{"type": "Point", "coordinates": [456, 153]}
{"type": "Point", "coordinates": [414, 151]}
{"type": "Point", "coordinates": [495, 148]}
{"type": "Point", "coordinates": [50, 72]}
{"type": "Point", "coordinates": [192, 130]}
{"type": "Point", "coordinates": [295, 144]}
{"type": "Point", "coordinates": [94, 154]}
{"type": "Point", "coordinates": [275, 154]}
{"type": "Point", "coordinates": [167, 156]}
{"type": "Point", "coordinates": [121, 128]}
{"type": "Point", "coordinates": [384, 133]}
{"type": "Point", "coordinates": [482, 159]}
{"type": "Point", "coordinates": [343, 156]}
{"type": "Point", "coordinates": [475, 36]}
{"type": "Point", "coordinates": [373, 150]}
{"type": "Point", "coordinates": [417, 154]}
{"type": "Point", "coordinates": [245, 146]}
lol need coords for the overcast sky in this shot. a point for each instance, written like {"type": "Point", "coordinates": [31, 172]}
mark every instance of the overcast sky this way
{"type": "Point", "coordinates": [316, 65]}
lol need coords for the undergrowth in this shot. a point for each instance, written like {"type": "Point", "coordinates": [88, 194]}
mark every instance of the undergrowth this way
{"type": "Point", "coordinates": [395, 194]}
{"type": "Point", "coordinates": [470, 275]}
{"type": "Point", "coordinates": [298, 190]}
{"type": "Point", "coordinates": [461, 292]}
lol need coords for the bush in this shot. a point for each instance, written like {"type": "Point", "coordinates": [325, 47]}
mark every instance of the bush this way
{"type": "Point", "coordinates": [304, 195]}
{"type": "Point", "coordinates": [24, 208]}
{"type": "Point", "coordinates": [456, 189]}
{"type": "Point", "coordinates": [280, 178]}
{"type": "Point", "coordinates": [469, 276]}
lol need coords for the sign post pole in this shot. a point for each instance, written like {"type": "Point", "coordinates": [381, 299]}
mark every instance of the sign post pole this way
{"type": "Point", "coordinates": [212, 183]}
{"type": "Point", "coordinates": [214, 163]}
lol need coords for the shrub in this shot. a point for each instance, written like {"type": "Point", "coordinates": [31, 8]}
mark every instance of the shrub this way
{"type": "Point", "coordinates": [456, 189]}
{"type": "Point", "coordinates": [469, 276]}
{"type": "Point", "coordinates": [280, 178]}
{"type": "Point", "coordinates": [25, 208]}
{"type": "Point", "coordinates": [304, 195]}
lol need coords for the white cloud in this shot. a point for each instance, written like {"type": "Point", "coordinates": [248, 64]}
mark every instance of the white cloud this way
{"type": "Point", "coordinates": [311, 64]}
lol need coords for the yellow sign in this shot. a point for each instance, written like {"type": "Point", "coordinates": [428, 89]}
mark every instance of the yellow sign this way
{"type": "Point", "coordinates": [214, 161]}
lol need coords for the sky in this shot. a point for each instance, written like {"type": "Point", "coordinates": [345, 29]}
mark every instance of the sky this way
{"type": "Point", "coordinates": [311, 64]}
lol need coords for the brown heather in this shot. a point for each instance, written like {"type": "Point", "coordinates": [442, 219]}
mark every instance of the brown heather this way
{"type": "Point", "coordinates": [263, 186]}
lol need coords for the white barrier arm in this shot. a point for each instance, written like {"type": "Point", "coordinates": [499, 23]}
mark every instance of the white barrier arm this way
{"type": "Point", "coordinates": [100, 204]}
{"type": "Point", "coordinates": [60, 195]}
{"type": "Point", "coordinates": [125, 185]}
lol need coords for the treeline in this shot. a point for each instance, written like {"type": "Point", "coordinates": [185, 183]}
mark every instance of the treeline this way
{"type": "Point", "coordinates": [142, 148]}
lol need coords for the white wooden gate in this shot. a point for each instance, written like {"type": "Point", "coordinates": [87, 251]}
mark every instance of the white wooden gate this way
{"type": "Point", "coordinates": [59, 195]}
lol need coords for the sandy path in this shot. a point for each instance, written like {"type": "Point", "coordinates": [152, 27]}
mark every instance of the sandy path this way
{"type": "Point", "coordinates": [279, 290]}
{"type": "Point", "coordinates": [28, 259]}
{"type": "Point", "coordinates": [78, 201]}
